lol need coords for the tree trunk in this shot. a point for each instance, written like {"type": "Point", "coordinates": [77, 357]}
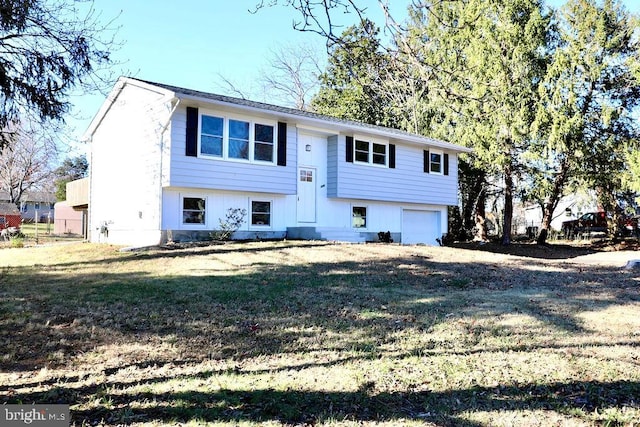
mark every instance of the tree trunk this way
{"type": "Point", "coordinates": [473, 210]}
{"type": "Point", "coordinates": [508, 205]}
{"type": "Point", "coordinates": [480, 218]}
{"type": "Point", "coordinates": [550, 205]}
{"type": "Point", "coordinates": [547, 216]}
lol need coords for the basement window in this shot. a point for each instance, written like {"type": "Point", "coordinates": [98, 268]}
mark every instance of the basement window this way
{"type": "Point", "coordinates": [193, 210]}
{"type": "Point", "coordinates": [359, 217]}
{"type": "Point", "coordinates": [260, 213]}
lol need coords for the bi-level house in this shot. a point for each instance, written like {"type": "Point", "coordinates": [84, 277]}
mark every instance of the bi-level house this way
{"type": "Point", "coordinates": [167, 163]}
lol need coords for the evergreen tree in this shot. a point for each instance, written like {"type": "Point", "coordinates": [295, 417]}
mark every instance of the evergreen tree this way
{"type": "Point", "coordinates": [350, 87]}
{"type": "Point", "coordinates": [71, 169]}
{"type": "Point", "coordinates": [587, 97]}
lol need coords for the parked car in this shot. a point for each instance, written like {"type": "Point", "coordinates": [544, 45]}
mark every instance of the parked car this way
{"type": "Point", "coordinates": [589, 222]}
{"type": "Point", "coordinates": [596, 222]}
{"type": "Point", "coordinates": [630, 226]}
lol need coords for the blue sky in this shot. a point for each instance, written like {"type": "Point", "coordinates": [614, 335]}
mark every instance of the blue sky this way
{"type": "Point", "coordinates": [191, 43]}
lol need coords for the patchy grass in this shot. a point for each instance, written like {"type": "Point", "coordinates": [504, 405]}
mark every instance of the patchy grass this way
{"type": "Point", "coordinates": [295, 333]}
{"type": "Point", "coordinates": [40, 235]}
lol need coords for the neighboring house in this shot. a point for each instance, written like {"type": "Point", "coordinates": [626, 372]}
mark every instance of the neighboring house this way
{"type": "Point", "coordinates": [569, 208]}
{"type": "Point", "coordinates": [40, 203]}
{"type": "Point", "coordinates": [167, 163]}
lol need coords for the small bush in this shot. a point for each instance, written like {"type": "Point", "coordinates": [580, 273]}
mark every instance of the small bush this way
{"type": "Point", "coordinates": [17, 242]}
{"type": "Point", "coordinates": [229, 224]}
{"type": "Point", "coordinates": [385, 237]}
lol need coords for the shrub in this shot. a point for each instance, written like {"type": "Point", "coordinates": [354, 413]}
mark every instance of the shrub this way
{"type": "Point", "coordinates": [229, 224]}
{"type": "Point", "coordinates": [17, 242]}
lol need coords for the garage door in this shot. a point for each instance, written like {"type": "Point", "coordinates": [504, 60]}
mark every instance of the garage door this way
{"type": "Point", "coordinates": [420, 227]}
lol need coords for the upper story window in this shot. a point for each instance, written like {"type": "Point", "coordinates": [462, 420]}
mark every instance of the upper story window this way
{"type": "Point", "coordinates": [212, 136]}
{"type": "Point", "coordinates": [237, 139]}
{"type": "Point", "coordinates": [370, 152]}
{"type": "Point", "coordinates": [435, 162]}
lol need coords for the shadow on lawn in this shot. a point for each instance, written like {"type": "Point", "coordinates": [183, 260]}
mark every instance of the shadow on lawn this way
{"type": "Point", "coordinates": [310, 407]}
{"type": "Point", "coordinates": [279, 308]}
{"type": "Point", "coordinates": [47, 319]}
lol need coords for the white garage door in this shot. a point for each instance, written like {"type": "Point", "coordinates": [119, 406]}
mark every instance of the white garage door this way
{"type": "Point", "coordinates": [420, 227]}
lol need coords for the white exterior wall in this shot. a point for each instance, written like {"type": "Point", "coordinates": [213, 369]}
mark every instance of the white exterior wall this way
{"type": "Point", "coordinates": [216, 205]}
{"type": "Point", "coordinates": [125, 168]}
{"type": "Point", "coordinates": [140, 174]}
{"type": "Point", "coordinates": [407, 182]}
{"type": "Point", "coordinates": [337, 211]}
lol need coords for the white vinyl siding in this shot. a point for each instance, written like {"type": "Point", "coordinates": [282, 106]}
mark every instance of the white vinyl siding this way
{"type": "Point", "coordinates": [219, 174]}
{"type": "Point", "coordinates": [405, 183]}
{"type": "Point", "coordinates": [126, 168]}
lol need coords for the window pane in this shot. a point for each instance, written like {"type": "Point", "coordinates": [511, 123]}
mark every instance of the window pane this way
{"type": "Point", "coordinates": [362, 151]}
{"type": "Point", "coordinates": [238, 149]}
{"type": "Point", "coordinates": [211, 145]}
{"type": "Point", "coordinates": [261, 213]}
{"type": "Point", "coordinates": [261, 207]}
{"type": "Point", "coordinates": [191, 217]}
{"type": "Point", "coordinates": [193, 203]}
{"type": "Point", "coordinates": [193, 209]}
{"type": "Point", "coordinates": [379, 154]}
{"type": "Point", "coordinates": [212, 125]}
{"type": "Point", "coordinates": [263, 152]}
{"type": "Point", "coordinates": [238, 129]}
{"type": "Point", "coordinates": [260, 219]}
{"type": "Point", "coordinates": [435, 162]}
{"type": "Point", "coordinates": [362, 157]}
{"type": "Point", "coordinates": [359, 219]}
{"type": "Point", "coordinates": [362, 145]}
{"type": "Point", "coordinates": [264, 133]}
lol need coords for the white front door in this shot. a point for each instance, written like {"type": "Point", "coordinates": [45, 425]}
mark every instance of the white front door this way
{"type": "Point", "coordinates": [306, 194]}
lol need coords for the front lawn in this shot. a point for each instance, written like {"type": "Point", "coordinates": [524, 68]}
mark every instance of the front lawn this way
{"type": "Point", "coordinates": [314, 333]}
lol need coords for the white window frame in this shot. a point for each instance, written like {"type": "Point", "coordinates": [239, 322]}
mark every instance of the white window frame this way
{"type": "Point", "coordinates": [371, 142]}
{"type": "Point", "coordinates": [181, 210]}
{"type": "Point", "coordinates": [441, 154]}
{"type": "Point", "coordinates": [225, 137]}
{"type": "Point", "coordinates": [366, 216]}
{"type": "Point", "coordinates": [250, 219]}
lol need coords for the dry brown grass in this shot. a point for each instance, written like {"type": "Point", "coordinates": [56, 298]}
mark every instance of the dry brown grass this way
{"type": "Point", "coordinates": [294, 333]}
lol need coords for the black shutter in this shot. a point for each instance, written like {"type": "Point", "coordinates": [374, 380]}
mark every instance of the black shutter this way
{"type": "Point", "coordinates": [282, 144]}
{"type": "Point", "coordinates": [446, 164]}
{"type": "Point", "coordinates": [426, 161]}
{"type": "Point", "coordinates": [349, 149]}
{"type": "Point", "coordinates": [392, 156]}
{"type": "Point", "coordinates": [192, 132]}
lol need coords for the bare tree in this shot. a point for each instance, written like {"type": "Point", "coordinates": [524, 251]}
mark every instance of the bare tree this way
{"type": "Point", "coordinates": [289, 78]}
{"type": "Point", "coordinates": [292, 74]}
{"type": "Point", "coordinates": [26, 162]}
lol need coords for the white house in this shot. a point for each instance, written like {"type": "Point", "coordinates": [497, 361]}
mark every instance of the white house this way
{"type": "Point", "coordinates": [168, 163]}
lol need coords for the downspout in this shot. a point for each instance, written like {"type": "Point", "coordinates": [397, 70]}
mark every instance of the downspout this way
{"type": "Point", "coordinates": [163, 129]}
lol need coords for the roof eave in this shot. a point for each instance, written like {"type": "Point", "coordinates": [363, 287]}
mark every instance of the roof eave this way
{"type": "Point", "coordinates": [111, 98]}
